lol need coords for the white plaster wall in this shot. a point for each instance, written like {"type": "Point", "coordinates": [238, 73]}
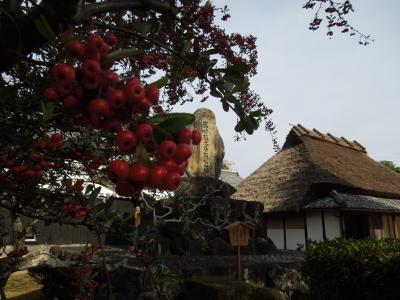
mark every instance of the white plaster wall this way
{"type": "Point", "coordinates": [314, 226]}
{"type": "Point", "coordinates": [276, 235]}
{"type": "Point", "coordinates": [294, 237]}
{"type": "Point", "coordinates": [332, 225]}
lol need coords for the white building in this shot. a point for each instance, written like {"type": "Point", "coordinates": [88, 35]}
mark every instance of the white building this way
{"type": "Point", "coordinates": [322, 187]}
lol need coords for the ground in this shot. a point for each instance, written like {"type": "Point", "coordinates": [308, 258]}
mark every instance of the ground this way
{"type": "Point", "coordinates": [21, 286]}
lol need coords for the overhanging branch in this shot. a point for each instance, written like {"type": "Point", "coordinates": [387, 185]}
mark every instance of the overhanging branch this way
{"type": "Point", "coordinates": [93, 9]}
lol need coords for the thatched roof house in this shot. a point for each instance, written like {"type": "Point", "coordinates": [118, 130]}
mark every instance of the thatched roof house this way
{"type": "Point", "coordinates": [310, 161]}
{"type": "Point", "coordinates": [313, 165]}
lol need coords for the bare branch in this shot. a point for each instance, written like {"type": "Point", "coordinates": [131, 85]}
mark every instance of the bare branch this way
{"type": "Point", "coordinates": [99, 8]}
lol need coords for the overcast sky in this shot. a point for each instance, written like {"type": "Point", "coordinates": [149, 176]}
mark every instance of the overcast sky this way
{"type": "Point", "coordinates": [333, 85]}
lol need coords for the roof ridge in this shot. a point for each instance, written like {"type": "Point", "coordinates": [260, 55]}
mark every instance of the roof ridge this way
{"type": "Point", "coordinates": [300, 131]}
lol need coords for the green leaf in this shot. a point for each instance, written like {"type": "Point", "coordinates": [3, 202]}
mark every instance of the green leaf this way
{"type": "Point", "coordinates": [187, 46]}
{"type": "Point", "coordinates": [225, 105]}
{"type": "Point", "coordinates": [8, 92]}
{"type": "Point", "coordinates": [94, 194]}
{"type": "Point", "coordinates": [45, 29]}
{"type": "Point", "coordinates": [119, 54]}
{"type": "Point", "coordinates": [174, 124]}
{"type": "Point", "coordinates": [48, 109]}
{"type": "Point", "coordinates": [239, 126]}
{"type": "Point", "coordinates": [159, 83]}
{"type": "Point", "coordinates": [146, 27]}
{"type": "Point", "coordinates": [241, 86]}
{"type": "Point", "coordinates": [240, 68]}
{"type": "Point", "coordinates": [179, 117]}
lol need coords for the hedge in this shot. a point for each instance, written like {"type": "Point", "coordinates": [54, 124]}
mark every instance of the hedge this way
{"type": "Point", "coordinates": [216, 288]}
{"type": "Point", "coordinates": [353, 269]}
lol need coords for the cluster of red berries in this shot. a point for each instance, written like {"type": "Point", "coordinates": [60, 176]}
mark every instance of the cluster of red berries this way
{"type": "Point", "coordinates": [32, 166]}
{"type": "Point", "coordinates": [77, 211]}
{"type": "Point", "coordinates": [98, 96]}
{"type": "Point", "coordinates": [95, 93]}
{"type": "Point", "coordinates": [169, 164]}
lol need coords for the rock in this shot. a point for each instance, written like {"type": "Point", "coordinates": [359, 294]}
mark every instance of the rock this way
{"type": "Point", "coordinates": [200, 186]}
{"type": "Point", "coordinates": [172, 230]}
{"type": "Point", "coordinates": [287, 280]}
{"type": "Point", "coordinates": [238, 208]}
{"type": "Point", "coordinates": [264, 245]}
{"type": "Point", "coordinates": [216, 209]}
{"type": "Point", "coordinates": [178, 246]}
{"type": "Point", "coordinates": [186, 246]}
{"type": "Point", "coordinates": [220, 247]}
{"type": "Point", "coordinates": [207, 157]}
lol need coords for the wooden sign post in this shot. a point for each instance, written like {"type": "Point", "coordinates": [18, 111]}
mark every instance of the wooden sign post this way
{"type": "Point", "coordinates": [239, 236]}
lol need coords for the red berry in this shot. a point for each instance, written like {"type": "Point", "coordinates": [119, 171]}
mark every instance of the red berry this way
{"type": "Point", "coordinates": [62, 73]}
{"type": "Point", "coordinates": [143, 106]}
{"type": "Point", "coordinates": [75, 48]}
{"type": "Point", "coordinates": [196, 137]}
{"type": "Point", "coordinates": [183, 152]}
{"type": "Point", "coordinates": [109, 78]}
{"type": "Point", "coordinates": [91, 67]}
{"type": "Point", "coordinates": [113, 125]}
{"type": "Point", "coordinates": [172, 181]}
{"type": "Point", "coordinates": [105, 49]}
{"type": "Point", "coordinates": [116, 98]}
{"type": "Point", "coordinates": [70, 101]}
{"type": "Point", "coordinates": [34, 155]}
{"type": "Point", "coordinates": [152, 94]}
{"type": "Point", "coordinates": [157, 176]}
{"type": "Point", "coordinates": [139, 174]}
{"type": "Point", "coordinates": [78, 91]}
{"type": "Point", "coordinates": [50, 94]}
{"type": "Point", "coordinates": [126, 141]}
{"type": "Point", "coordinates": [132, 81]}
{"type": "Point", "coordinates": [123, 188]}
{"type": "Point", "coordinates": [144, 131]}
{"type": "Point", "coordinates": [181, 167]}
{"type": "Point", "coordinates": [56, 137]}
{"type": "Point", "coordinates": [184, 136]}
{"type": "Point", "coordinates": [99, 106]}
{"type": "Point", "coordinates": [118, 169]}
{"type": "Point", "coordinates": [91, 83]}
{"type": "Point", "coordinates": [94, 43]}
{"type": "Point", "coordinates": [167, 149]}
{"type": "Point", "coordinates": [65, 89]}
{"type": "Point", "coordinates": [110, 39]}
{"type": "Point", "coordinates": [41, 144]}
{"type": "Point", "coordinates": [170, 164]}
{"type": "Point", "coordinates": [134, 93]}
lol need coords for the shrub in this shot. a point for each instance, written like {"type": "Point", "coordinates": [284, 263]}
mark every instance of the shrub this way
{"type": "Point", "coordinates": [215, 288]}
{"type": "Point", "coordinates": [353, 269]}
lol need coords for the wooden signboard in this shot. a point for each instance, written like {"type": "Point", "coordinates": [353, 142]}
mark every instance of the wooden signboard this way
{"type": "Point", "coordinates": [239, 236]}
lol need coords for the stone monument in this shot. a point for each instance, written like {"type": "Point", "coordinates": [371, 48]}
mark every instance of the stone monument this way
{"type": "Point", "coordinates": [206, 160]}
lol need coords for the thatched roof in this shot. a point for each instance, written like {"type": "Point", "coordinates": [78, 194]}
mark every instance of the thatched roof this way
{"type": "Point", "coordinates": [310, 163]}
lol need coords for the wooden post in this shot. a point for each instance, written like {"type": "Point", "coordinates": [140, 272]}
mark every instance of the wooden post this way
{"type": "Point", "coordinates": [239, 267]}
{"type": "Point", "coordinates": [284, 232]}
{"type": "Point", "coordinates": [323, 225]}
{"type": "Point", "coordinates": [394, 225]}
{"type": "Point", "coordinates": [238, 236]}
{"type": "Point", "coordinates": [305, 229]}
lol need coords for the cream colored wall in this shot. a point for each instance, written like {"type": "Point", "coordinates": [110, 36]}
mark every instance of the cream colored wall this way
{"type": "Point", "coordinates": [294, 237]}
{"type": "Point", "coordinates": [332, 225]}
{"type": "Point", "coordinates": [314, 226]}
{"type": "Point", "coordinates": [276, 235]}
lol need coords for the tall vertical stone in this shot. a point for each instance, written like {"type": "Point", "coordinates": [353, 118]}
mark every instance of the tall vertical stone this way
{"type": "Point", "coordinates": [207, 158]}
